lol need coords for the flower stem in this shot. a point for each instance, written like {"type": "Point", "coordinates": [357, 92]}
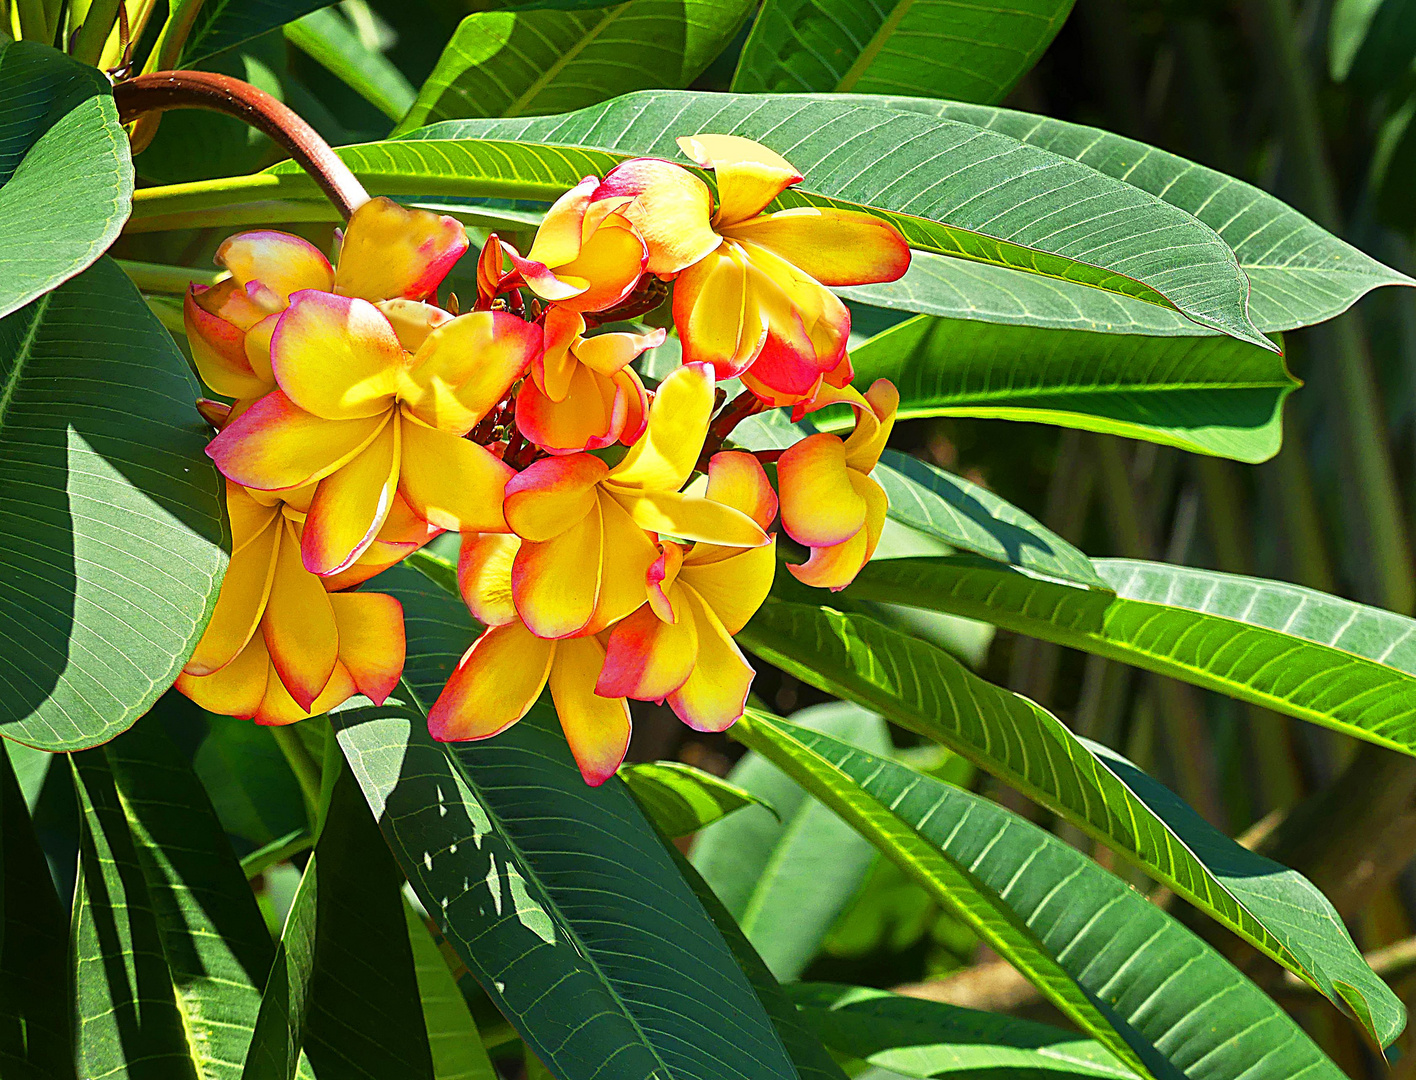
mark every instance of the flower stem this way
{"type": "Point", "coordinates": [165, 90]}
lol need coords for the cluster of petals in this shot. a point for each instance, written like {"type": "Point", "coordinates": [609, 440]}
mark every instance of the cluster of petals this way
{"type": "Point", "coordinates": [364, 419]}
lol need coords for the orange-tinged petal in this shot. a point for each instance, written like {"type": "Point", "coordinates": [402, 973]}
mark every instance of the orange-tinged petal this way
{"type": "Point", "coordinates": [371, 641]}
{"type": "Point", "coordinates": [647, 658]}
{"type": "Point", "coordinates": [556, 582]}
{"type": "Point", "coordinates": [597, 728]}
{"type": "Point", "coordinates": [552, 495]}
{"type": "Point", "coordinates": [661, 578]}
{"type": "Point", "coordinates": [412, 320]}
{"type": "Point", "coordinates": [820, 505]}
{"type": "Point", "coordinates": [737, 479]}
{"type": "Point", "coordinates": [466, 366]}
{"type": "Point", "coordinates": [241, 602]}
{"type": "Point", "coordinates": [298, 625]}
{"type": "Point", "coordinates": [275, 444]}
{"type": "Point", "coordinates": [671, 210]}
{"type": "Point", "coordinates": [484, 576]}
{"type": "Point", "coordinates": [749, 175]}
{"type": "Point", "coordinates": [734, 587]}
{"type": "Point", "coordinates": [664, 456]}
{"type": "Point", "coordinates": [403, 533]}
{"type": "Point", "coordinates": [560, 234]}
{"type": "Point", "coordinates": [545, 282]}
{"type": "Point", "coordinates": [249, 516]}
{"type": "Point", "coordinates": [610, 263]}
{"type": "Point", "coordinates": [350, 505]}
{"type": "Point", "coordinates": [215, 413]}
{"type": "Point", "coordinates": [836, 247]}
{"type": "Point", "coordinates": [807, 326]}
{"type": "Point", "coordinates": [281, 263]}
{"type": "Point", "coordinates": [607, 354]}
{"type": "Point", "coordinates": [690, 517]}
{"type": "Point", "coordinates": [393, 251]}
{"type": "Point", "coordinates": [710, 309]}
{"type": "Point", "coordinates": [278, 708]}
{"type": "Point", "coordinates": [336, 357]}
{"type": "Point", "coordinates": [229, 301]}
{"type": "Point", "coordinates": [593, 414]}
{"type": "Point", "coordinates": [834, 567]}
{"type": "Point", "coordinates": [219, 350]}
{"type": "Point", "coordinates": [714, 695]}
{"type": "Point", "coordinates": [867, 442]}
{"type": "Point", "coordinates": [556, 364]}
{"type": "Point", "coordinates": [496, 682]}
{"type": "Point", "coordinates": [258, 342]}
{"type": "Point", "coordinates": [451, 482]}
{"type": "Point", "coordinates": [234, 690]}
{"type": "Point", "coordinates": [628, 556]}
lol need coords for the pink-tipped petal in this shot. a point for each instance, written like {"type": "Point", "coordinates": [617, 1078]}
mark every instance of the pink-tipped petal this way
{"type": "Point", "coordinates": [279, 262]}
{"type": "Point", "coordinates": [591, 414]}
{"type": "Point", "coordinates": [749, 175]}
{"type": "Point", "coordinates": [610, 264]}
{"type": "Point", "coordinates": [219, 350]}
{"type": "Point", "coordinates": [371, 641]}
{"type": "Point", "coordinates": [300, 633]}
{"type": "Point", "coordinates": [628, 555]}
{"type": "Point", "coordinates": [715, 694]}
{"type": "Point", "coordinates": [242, 600]}
{"type": "Point", "coordinates": [820, 506]}
{"type": "Point", "coordinates": [393, 251]}
{"type": "Point", "coordinates": [350, 505]}
{"type": "Point", "coordinates": [484, 576]}
{"type": "Point", "coordinates": [335, 357]}
{"type": "Point", "coordinates": [671, 210]}
{"type": "Point", "coordinates": [647, 658]}
{"type": "Point", "coordinates": [552, 495]}
{"type": "Point", "coordinates": [715, 321]}
{"type": "Point", "coordinates": [451, 482]}
{"type": "Point", "coordinates": [664, 457]}
{"type": "Point", "coordinates": [495, 684]}
{"type": "Point", "coordinates": [561, 232]}
{"type": "Point", "coordinates": [466, 366]}
{"type": "Point", "coordinates": [834, 567]}
{"type": "Point", "coordinates": [597, 728]}
{"type": "Point", "coordinates": [836, 247]}
{"type": "Point", "coordinates": [737, 479]}
{"type": "Point", "coordinates": [661, 578]}
{"type": "Point", "coordinates": [275, 444]}
{"type": "Point", "coordinates": [555, 583]}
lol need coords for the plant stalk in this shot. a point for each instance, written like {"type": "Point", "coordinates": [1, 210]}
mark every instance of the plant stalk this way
{"type": "Point", "coordinates": [166, 90]}
{"type": "Point", "coordinates": [93, 34]}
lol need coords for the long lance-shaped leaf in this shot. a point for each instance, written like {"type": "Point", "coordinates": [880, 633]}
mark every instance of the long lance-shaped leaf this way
{"type": "Point", "coordinates": [1206, 394]}
{"type": "Point", "coordinates": [110, 521]}
{"type": "Point", "coordinates": [558, 896]}
{"type": "Point", "coordinates": [1299, 273]}
{"type": "Point", "coordinates": [169, 947]}
{"type": "Point", "coordinates": [276, 1041]}
{"type": "Point", "coordinates": [950, 187]}
{"type": "Point", "coordinates": [952, 884]}
{"type": "Point", "coordinates": [973, 50]}
{"type": "Point", "coordinates": [680, 799]}
{"type": "Point", "coordinates": [35, 1040]}
{"type": "Point", "coordinates": [924, 689]}
{"type": "Point", "coordinates": [458, 1053]}
{"type": "Point", "coordinates": [66, 175]}
{"type": "Point", "coordinates": [928, 1039]}
{"type": "Point", "coordinates": [1318, 657]}
{"type": "Point", "coordinates": [1182, 1007]}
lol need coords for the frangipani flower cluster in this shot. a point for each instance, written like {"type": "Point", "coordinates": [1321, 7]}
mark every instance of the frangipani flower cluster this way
{"type": "Point", "coordinates": [365, 419]}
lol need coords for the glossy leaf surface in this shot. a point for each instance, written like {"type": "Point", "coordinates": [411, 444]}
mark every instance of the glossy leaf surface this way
{"type": "Point", "coordinates": [680, 799]}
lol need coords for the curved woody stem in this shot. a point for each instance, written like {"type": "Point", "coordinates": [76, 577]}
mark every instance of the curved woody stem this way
{"type": "Point", "coordinates": [162, 91]}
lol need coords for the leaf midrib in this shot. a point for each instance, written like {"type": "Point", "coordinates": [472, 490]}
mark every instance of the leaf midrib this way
{"type": "Point", "coordinates": [874, 46]}
{"type": "Point", "coordinates": [526, 97]}
{"type": "Point", "coordinates": [22, 356]}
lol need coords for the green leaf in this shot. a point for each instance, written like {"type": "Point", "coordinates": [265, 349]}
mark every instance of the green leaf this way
{"type": "Point", "coordinates": [169, 946]}
{"type": "Point", "coordinates": [950, 882]}
{"type": "Point", "coordinates": [35, 1040]}
{"type": "Point", "coordinates": [110, 519]}
{"type": "Point", "coordinates": [1208, 395]}
{"type": "Point", "coordinates": [1183, 1008]}
{"type": "Point", "coordinates": [972, 50]}
{"type": "Point", "coordinates": [914, 1037]}
{"type": "Point", "coordinates": [1371, 43]}
{"type": "Point", "coordinates": [458, 1053]}
{"type": "Point", "coordinates": [927, 691]}
{"type": "Point", "coordinates": [680, 799]}
{"type": "Point", "coordinates": [529, 63]}
{"type": "Point", "coordinates": [1294, 650]}
{"type": "Point", "coordinates": [66, 177]}
{"type": "Point", "coordinates": [279, 1031]}
{"type": "Point", "coordinates": [326, 36]}
{"type": "Point", "coordinates": [1299, 273]}
{"type": "Point", "coordinates": [785, 881]}
{"type": "Point", "coordinates": [249, 781]}
{"type": "Point", "coordinates": [950, 187]}
{"type": "Point", "coordinates": [558, 896]}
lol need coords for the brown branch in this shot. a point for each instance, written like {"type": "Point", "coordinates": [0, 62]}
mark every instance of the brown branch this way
{"type": "Point", "coordinates": [744, 405]}
{"type": "Point", "coordinates": [162, 91]}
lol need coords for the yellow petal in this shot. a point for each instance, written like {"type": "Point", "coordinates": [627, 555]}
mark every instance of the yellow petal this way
{"type": "Point", "coordinates": [664, 456]}
{"type": "Point", "coordinates": [219, 350]}
{"type": "Point", "coordinates": [451, 482]}
{"type": "Point", "coordinates": [597, 728]}
{"type": "Point", "coordinates": [249, 516]}
{"type": "Point", "coordinates": [552, 495]}
{"type": "Point", "coordinates": [554, 367]}
{"type": "Point", "coordinates": [610, 263]}
{"type": "Point", "coordinates": [242, 600]}
{"type": "Point", "coordinates": [836, 247]}
{"type": "Point", "coordinates": [670, 208]}
{"type": "Point", "coordinates": [495, 683]}
{"type": "Point", "coordinates": [371, 641]}
{"type": "Point", "coordinates": [350, 505]}
{"type": "Point", "coordinates": [734, 587]}
{"type": "Point", "coordinates": [835, 566]}
{"type": "Point", "coordinates": [484, 576]}
{"type": "Point", "coordinates": [749, 175]}
{"type": "Point", "coordinates": [737, 479]}
{"type": "Point", "coordinates": [628, 555]}
{"type": "Point", "coordinates": [258, 342]}
{"type": "Point", "coordinates": [393, 251]}
{"type": "Point", "coordinates": [560, 234]}
{"type": "Point", "coordinates": [691, 518]}
{"type": "Point", "coordinates": [647, 658]}
{"type": "Point", "coordinates": [275, 445]}
{"type": "Point", "coordinates": [234, 690]}
{"type": "Point", "coordinates": [591, 415]}
{"type": "Point", "coordinates": [607, 354]}
{"type": "Point", "coordinates": [298, 625]}
{"type": "Point", "coordinates": [820, 506]}
{"type": "Point", "coordinates": [335, 357]}
{"type": "Point", "coordinates": [714, 695]}
{"type": "Point", "coordinates": [466, 366]}
{"type": "Point", "coordinates": [556, 582]}
{"type": "Point", "coordinates": [412, 320]}
{"type": "Point", "coordinates": [278, 708]}
{"type": "Point", "coordinates": [712, 315]}
{"type": "Point", "coordinates": [866, 443]}
{"type": "Point", "coordinates": [281, 263]}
